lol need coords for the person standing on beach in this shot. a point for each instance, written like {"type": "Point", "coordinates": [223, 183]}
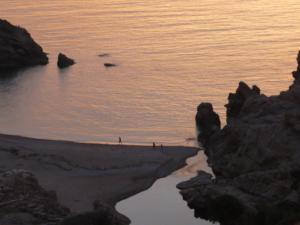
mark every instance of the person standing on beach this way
{"type": "Point", "coordinates": [153, 145]}
{"type": "Point", "coordinates": [120, 141]}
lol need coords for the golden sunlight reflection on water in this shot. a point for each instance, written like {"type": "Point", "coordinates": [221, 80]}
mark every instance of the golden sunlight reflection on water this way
{"type": "Point", "coordinates": [172, 55]}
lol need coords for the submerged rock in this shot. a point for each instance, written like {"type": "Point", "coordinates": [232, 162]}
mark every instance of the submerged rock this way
{"type": "Point", "coordinates": [63, 61]}
{"type": "Point", "coordinates": [255, 159]}
{"type": "Point", "coordinates": [109, 65]}
{"type": "Point", "coordinates": [18, 49]}
{"type": "Point", "coordinates": [104, 55]}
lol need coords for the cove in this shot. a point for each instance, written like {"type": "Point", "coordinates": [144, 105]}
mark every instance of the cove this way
{"type": "Point", "coordinates": [162, 204]}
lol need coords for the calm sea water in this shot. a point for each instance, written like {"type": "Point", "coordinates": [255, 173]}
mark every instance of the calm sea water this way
{"type": "Point", "coordinates": [162, 204]}
{"type": "Point", "coordinates": [172, 55]}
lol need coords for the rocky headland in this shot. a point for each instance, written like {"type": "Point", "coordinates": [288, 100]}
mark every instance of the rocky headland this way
{"type": "Point", "coordinates": [18, 49]}
{"type": "Point", "coordinates": [255, 158]}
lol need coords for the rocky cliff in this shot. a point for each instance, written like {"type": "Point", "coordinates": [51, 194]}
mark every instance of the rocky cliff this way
{"type": "Point", "coordinates": [18, 49]}
{"type": "Point", "coordinates": [255, 159]}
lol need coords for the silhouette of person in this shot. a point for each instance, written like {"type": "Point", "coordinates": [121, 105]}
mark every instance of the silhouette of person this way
{"type": "Point", "coordinates": [120, 140]}
{"type": "Point", "coordinates": [153, 144]}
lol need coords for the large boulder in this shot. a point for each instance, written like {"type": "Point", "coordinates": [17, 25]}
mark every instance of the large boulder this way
{"type": "Point", "coordinates": [18, 49]}
{"type": "Point", "coordinates": [63, 61]}
{"type": "Point", "coordinates": [255, 159]}
{"type": "Point", "coordinates": [207, 121]}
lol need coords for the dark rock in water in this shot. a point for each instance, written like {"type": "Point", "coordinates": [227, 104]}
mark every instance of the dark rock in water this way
{"type": "Point", "coordinates": [23, 201]}
{"type": "Point", "coordinates": [103, 215]}
{"type": "Point", "coordinates": [109, 65]}
{"type": "Point", "coordinates": [104, 55]}
{"type": "Point", "coordinates": [18, 49]}
{"type": "Point", "coordinates": [63, 61]}
{"type": "Point", "coordinates": [255, 159]}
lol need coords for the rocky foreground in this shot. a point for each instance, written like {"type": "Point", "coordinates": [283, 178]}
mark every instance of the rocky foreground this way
{"type": "Point", "coordinates": [24, 201]}
{"type": "Point", "coordinates": [44, 182]}
{"type": "Point", "coordinates": [255, 159]}
{"type": "Point", "coordinates": [18, 49]}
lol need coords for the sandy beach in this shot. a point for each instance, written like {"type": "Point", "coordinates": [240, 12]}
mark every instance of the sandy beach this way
{"type": "Point", "coordinates": [82, 173]}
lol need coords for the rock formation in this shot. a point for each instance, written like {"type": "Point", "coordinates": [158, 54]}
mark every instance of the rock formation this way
{"type": "Point", "coordinates": [63, 61]}
{"type": "Point", "coordinates": [207, 121]}
{"type": "Point", "coordinates": [102, 215]}
{"type": "Point", "coordinates": [18, 49]}
{"type": "Point", "coordinates": [23, 201]}
{"type": "Point", "coordinates": [255, 159]}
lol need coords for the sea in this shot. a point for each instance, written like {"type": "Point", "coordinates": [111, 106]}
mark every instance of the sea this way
{"type": "Point", "coordinates": [171, 55]}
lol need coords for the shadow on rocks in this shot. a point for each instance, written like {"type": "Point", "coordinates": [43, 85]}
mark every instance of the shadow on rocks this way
{"type": "Point", "coordinates": [255, 158]}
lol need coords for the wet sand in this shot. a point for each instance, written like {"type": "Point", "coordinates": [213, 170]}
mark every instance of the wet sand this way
{"type": "Point", "coordinates": [81, 173]}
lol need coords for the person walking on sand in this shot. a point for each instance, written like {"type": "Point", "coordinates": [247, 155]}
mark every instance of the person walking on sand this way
{"type": "Point", "coordinates": [153, 145]}
{"type": "Point", "coordinates": [120, 141]}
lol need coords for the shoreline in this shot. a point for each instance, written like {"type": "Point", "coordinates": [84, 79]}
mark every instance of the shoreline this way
{"type": "Point", "coordinates": [82, 173]}
{"type": "Point", "coordinates": [190, 142]}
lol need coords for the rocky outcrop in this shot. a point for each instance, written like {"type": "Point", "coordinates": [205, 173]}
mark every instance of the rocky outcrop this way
{"type": "Point", "coordinates": [102, 214]}
{"type": "Point", "coordinates": [18, 49]}
{"type": "Point", "coordinates": [255, 159]}
{"type": "Point", "coordinates": [23, 201]}
{"type": "Point", "coordinates": [63, 61]}
{"type": "Point", "coordinates": [207, 121]}
{"type": "Point", "coordinates": [237, 100]}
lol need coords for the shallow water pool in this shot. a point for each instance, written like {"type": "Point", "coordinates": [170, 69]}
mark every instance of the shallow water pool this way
{"type": "Point", "coordinates": [162, 204]}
